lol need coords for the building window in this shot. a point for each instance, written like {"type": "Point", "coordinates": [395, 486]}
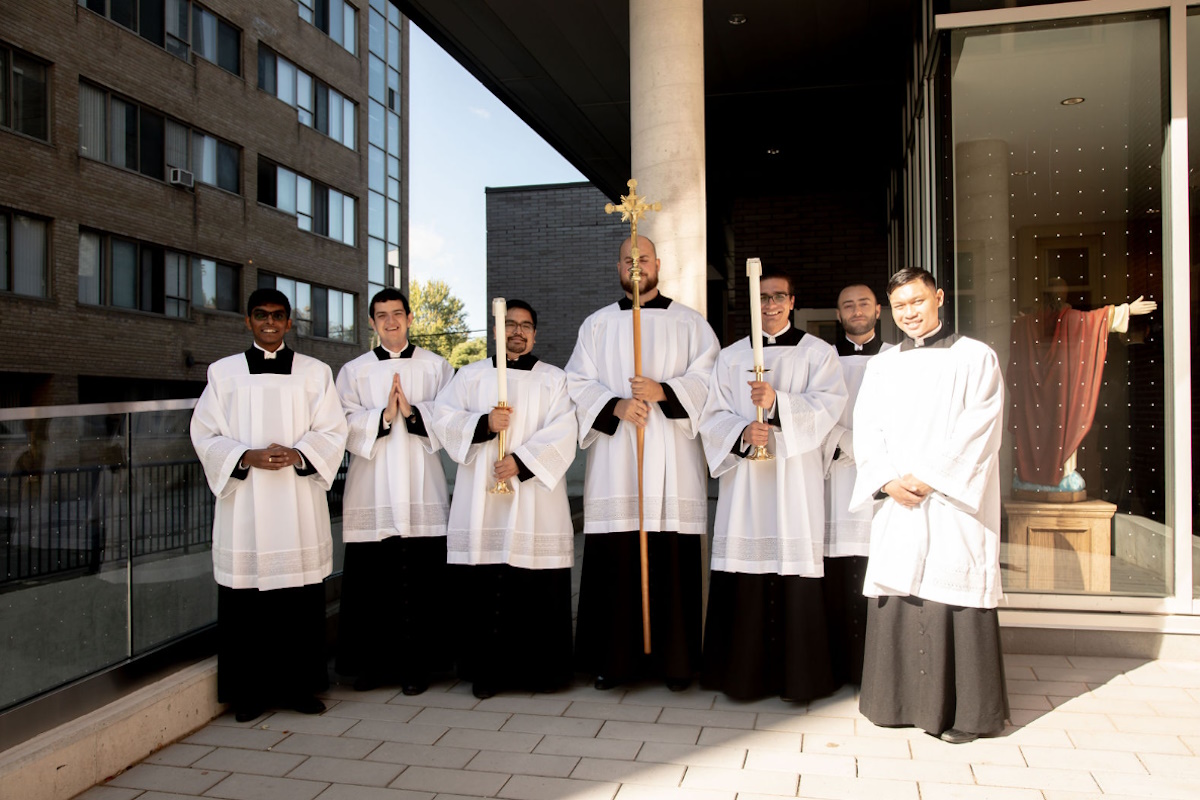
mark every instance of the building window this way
{"type": "Point", "coordinates": [318, 208]}
{"type": "Point", "coordinates": [23, 267]}
{"type": "Point", "coordinates": [180, 26]}
{"type": "Point", "coordinates": [317, 105]}
{"type": "Point", "coordinates": [119, 132]}
{"type": "Point", "coordinates": [23, 94]}
{"type": "Point", "coordinates": [335, 17]}
{"type": "Point", "coordinates": [316, 310]}
{"type": "Point", "coordinates": [126, 273]}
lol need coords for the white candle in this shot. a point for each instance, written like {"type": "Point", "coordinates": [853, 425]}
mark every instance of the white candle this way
{"type": "Point", "coordinates": [754, 272]}
{"type": "Point", "coordinates": [500, 310]}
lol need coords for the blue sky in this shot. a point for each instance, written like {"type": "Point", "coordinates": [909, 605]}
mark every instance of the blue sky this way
{"type": "Point", "coordinates": [462, 140]}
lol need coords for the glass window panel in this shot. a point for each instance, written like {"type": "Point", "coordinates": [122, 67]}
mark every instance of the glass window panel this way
{"type": "Point", "coordinates": [347, 317]}
{"type": "Point", "coordinates": [322, 109]}
{"type": "Point", "coordinates": [376, 133]}
{"type": "Point", "coordinates": [286, 191]}
{"type": "Point", "coordinates": [266, 70]}
{"type": "Point", "coordinates": [375, 169]}
{"type": "Point", "coordinates": [124, 273]}
{"type": "Point", "coordinates": [376, 260]}
{"type": "Point", "coordinates": [204, 282]}
{"type": "Point", "coordinates": [1057, 223]}
{"type": "Point", "coordinates": [376, 219]}
{"type": "Point", "coordinates": [268, 190]}
{"type": "Point", "coordinates": [29, 102]}
{"type": "Point", "coordinates": [304, 97]}
{"type": "Point", "coordinates": [349, 27]}
{"type": "Point", "coordinates": [393, 96]}
{"type": "Point", "coordinates": [375, 80]}
{"type": "Point", "coordinates": [304, 195]}
{"type": "Point", "coordinates": [303, 301]}
{"type": "Point", "coordinates": [320, 307]}
{"type": "Point", "coordinates": [376, 35]}
{"type": "Point", "coordinates": [150, 286]}
{"type": "Point", "coordinates": [393, 14]}
{"type": "Point", "coordinates": [151, 21]}
{"type": "Point", "coordinates": [176, 141]}
{"type": "Point", "coordinates": [204, 33]}
{"type": "Point", "coordinates": [393, 45]}
{"type": "Point", "coordinates": [349, 230]}
{"type": "Point", "coordinates": [29, 256]}
{"type": "Point", "coordinates": [348, 137]}
{"type": "Point", "coordinates": [123, 152]}
{"type": "Point", "coordinates": [335, 214]}
{"type": "Point", "coordinates": [204, 158]}
{"type": "Point", "coordinates": [379, 5]}
{"type": "Point", "coordinates": [4, 252]}
{"type": "Point", "coordinates": [228, 287]}
{"type": "Point", "coordinates": [91, 273]}
{"type": "Point", "coordinates": [393, 188]}
{"type": "Point", "coordinates": [306, 10]}
{"type": "Point", "coordinates": [321, 209]}
{"type": "Point", "coordinates": [228, 169]}
{"type": "Point", "coordinates": [177, 19]}
{"type": "Point", "coordinates": [336, 21]}
{"type": "Point", "coordinates": [393, 140]}
{"type": "Point", "coordinates": [286, 90]}
{"type": "Point", "coordinates": [335, 115]}
{"type": "Point", "coordinates": [393, 167]}
{"type": "Point", "coordinates": [335, 315]}
{"type": "Point", "coordinates": [93, 122]}
{"type": "Point", "coordinates": [5, 120]}
{"type": "Point", "coordinates": [229, 54]}
{"type": "Point", "coordinates": [393, 222]}
{"type": "Point", "coordinates": [151, 160]}
{"type": "Point", "coordinates": [124, 12]}
{"type": "Point", "coordinates": [288, 287]}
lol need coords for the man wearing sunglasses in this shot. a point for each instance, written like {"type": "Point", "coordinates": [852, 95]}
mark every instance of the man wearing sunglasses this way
{"type": "Point", "coordinates": [270, 434]}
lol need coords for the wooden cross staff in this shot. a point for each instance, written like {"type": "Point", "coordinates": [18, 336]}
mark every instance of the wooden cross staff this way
{"type": "Point", "coordinates": [632, 209]}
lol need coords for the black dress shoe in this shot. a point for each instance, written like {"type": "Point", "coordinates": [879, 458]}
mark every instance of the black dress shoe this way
{"type": "Point", "coordinates": [678, 684]}
{"type": "Point", "coordinates": [308, 705]}
{"type": "Point", "coordinates": [247, 713]}
{"type": "Point", "coordinates": [483, 690]}
{"type": "Point", "coordinates": [604, 684]}
{"type": "Point", "coordinates": [955, 736]}
{"type": "Point", "coordinates": [411, 689]}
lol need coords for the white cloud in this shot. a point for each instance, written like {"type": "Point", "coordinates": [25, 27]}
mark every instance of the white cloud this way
{"type": "Point", "coordinates": [482, 113]}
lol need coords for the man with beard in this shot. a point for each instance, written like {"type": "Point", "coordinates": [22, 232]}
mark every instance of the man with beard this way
{"type": "Point", "coordinates": [393, 509]}
{"type": "Point", "coordinates": [765, 631]}
{"type": "Point", "coordinates": [270, 434]}
{"type": "Point", "coordinates": [511, 554]}
{"type": "Point", "coordinates": [927, 443]}
{"type": "Point", "coordinates": [848, 535]}
{"type": "Point", "coordinates": [678, 351]}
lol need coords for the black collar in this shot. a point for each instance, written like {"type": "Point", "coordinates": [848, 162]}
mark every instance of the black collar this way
{"type": "Point", "coordinates": [789, 338]}
{"type": "Point", "coordinates": [259, 364]}
{"type": "Point", "coordinates": [660, 301]}
{"type": "Point", "coordinates": [383, 355]}
{"type": "Point", "coordinates": [845, 347]}
{"type": "Point", "coordinates": [524, 362]}
{"type": "Point", "coordinates": [943, 338]}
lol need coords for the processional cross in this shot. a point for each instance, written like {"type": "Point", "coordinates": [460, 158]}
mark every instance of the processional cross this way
{"type": "Point", "coordinates": [633, 207]}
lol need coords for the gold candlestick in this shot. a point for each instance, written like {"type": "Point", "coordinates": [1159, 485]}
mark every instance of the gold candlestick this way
{"type": "Point", "coordinates": [501, 487]}
{"type": "Point", "coordinates": [760, 450]}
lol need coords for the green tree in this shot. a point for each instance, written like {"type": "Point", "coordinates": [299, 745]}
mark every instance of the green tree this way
{"type": "Point", "coordinates": [469, 351]}
{"type": "Point", "coordinates": [439, 323]}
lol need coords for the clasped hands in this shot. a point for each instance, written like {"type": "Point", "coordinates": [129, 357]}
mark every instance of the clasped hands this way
{"type": "Point", "coordinates": [397, 403]}
{"type": "Point", "coordinates": [636, 409]}
{"type": "Point", "coordinates": [908, 491]}
{"type": "Point", "coordinates": [273, 457]}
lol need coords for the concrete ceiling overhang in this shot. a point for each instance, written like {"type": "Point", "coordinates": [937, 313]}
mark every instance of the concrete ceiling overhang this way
{"type": "Point", "coordinates": [803, 92]}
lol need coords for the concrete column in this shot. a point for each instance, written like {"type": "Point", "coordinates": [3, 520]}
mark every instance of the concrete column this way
{"type": "Point", "coordinates": [666, 99]}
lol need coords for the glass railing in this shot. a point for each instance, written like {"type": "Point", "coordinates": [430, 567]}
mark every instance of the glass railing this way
{"type": "Point", "coordinates": [105, 539]}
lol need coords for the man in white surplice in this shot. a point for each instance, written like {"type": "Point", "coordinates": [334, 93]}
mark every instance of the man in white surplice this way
{"type": "Point", "coordinates": [678, 353]}
{"type": "Point", "coordinates": [394, 508]}
{"type": "Point", "coordinates": [847, 533]}
{"type": "Point", "coordinates": [765, 632]}
{"type": "Point", "coordinates": [511, 554]}
{"type": "Point", "coordinates": [270, 435]}
{"type": "Point", "coordinates": [927, 441]}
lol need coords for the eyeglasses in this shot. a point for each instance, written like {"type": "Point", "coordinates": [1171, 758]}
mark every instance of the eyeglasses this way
{"type": "Point", "coordinates": [275, 316]}
{"type": "Point", "coordinates": [513, 327]}
{"type": "Point", "coordinates": [778, 297]}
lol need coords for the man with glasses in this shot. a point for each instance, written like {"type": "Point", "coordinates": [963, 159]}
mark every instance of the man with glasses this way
{"type": "Point", "coordinates": [393, 510]}
{"type": "Point", "coordinates": [511, 554]}
{"type": "Point", "coordinates": [765, 629]}
{"type": "Point", "coordinates": [678, 352]}
{"type": "Point", "coordinates": [270, 434]}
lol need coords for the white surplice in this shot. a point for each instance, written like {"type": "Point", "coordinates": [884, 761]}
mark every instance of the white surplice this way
{"type": "Point", "coordinates": [935, 412]}
{"type": "Point", "coordinates": [847, 533]}
{"type": "Point", "coordinates": [270, 530]}
{"type": "Point", "coordinates": [530, 528]}
{"type": "Point", "coordinates": [679, 350]}
{"type": "Point", "coordinates": [395, 485]}
{"type": "Point", "coordinates": [770, 514]}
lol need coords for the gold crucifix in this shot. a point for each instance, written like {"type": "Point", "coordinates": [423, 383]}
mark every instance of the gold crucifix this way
{"type": "Point", "coordinates": [632, 209]}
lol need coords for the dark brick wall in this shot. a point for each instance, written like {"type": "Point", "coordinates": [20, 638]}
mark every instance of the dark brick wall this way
{"type": "Point", "coordinates": [554, 247]}
{"type": "Point", "coordinates": [60, 336]}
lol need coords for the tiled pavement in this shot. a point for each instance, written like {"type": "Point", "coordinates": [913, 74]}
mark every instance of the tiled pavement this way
{"type": "Point", "coordinates": [1083, 727]}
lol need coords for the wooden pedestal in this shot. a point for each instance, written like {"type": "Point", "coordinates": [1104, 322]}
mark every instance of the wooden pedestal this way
{"type": "Point", "coordinates": [1059, 547]}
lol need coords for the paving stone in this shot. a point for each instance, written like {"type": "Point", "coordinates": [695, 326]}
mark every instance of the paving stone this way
{"type": "Point", "coordinates": [1035, 659]}
{"type": "Point", "coordinates": [594, 748]}
{"type": "Point", "coordinates": [311, 744]}
{"type": "Point", "coordinates": [1158, 787]}
{"type": "Point", "coordinates": [450, 718]}
{"type": "Point", "coordinates": [632, 791]}
{"type": "Point", "coordinates": [712, 717]}
{"type": "Point", "coordinates": [928, 748]}
{"type": "Point", "coordinates": [454, 781]}
{"type": "Point", "coordinates": [423, 755]}
{"type": "Point", "coordinates": [1058, 688]}
{"type": "Point", "coordinates": [1162, 765]}
{"type": "Point", "coordinates": [346, 792]}
{"type": "Point", "coordinates": [1074, 674]}
{"type": "Point", "coordinates": [1054, 794]}
{"type": "Point", "coordinates": [168, 779]}
{"type": "Point", "coordinates": [389, 712]}
{"type": "Point", "coordinates": [346, 771]}
{"type": "Point", "coordinates": [843, 704]}
{"type": "Point", "coordinates": [526, 787]}
{"type": "Point", "coordinates": [596, 769]}
{"type": "Point", "coordinates": [692, 755]}
{"type": "Point", "coordinates": [1165, 694]}
{"type": "Point", "coordinates": [775, 705]}
{"type": "Point", "coordinates": [545, 705]}
{"type": "Point", "coordinates": [1033, 702]}
{"type": "Point", "coordinates": [614, 711]}
{"type": "Point", "coordinates": [1091, 704]}
{"type": "Point", "coordinates": [804, 723]}
{"type": "Point", "coordinates": [505, 741]}
{"type": "Point", "coordinates": [396, 732]}
{"type": "Point", "coordinates": [1084, 760]}
{"type": "Point", "coordinates": [911, 770]}
{"type": "Point", "coordinates": [429, 699]}
{"type": "Point", "coordinates": [245, 738]}
{"type": "Point", "coordinates": [1029, 778]}
{"type": "Point", "coordinates": [1180, 726]}
{"type": "Point", "coordinates": [1044, 737]}
{"type": "Point", "coordinates": [1108, 662]}
{"type": "Point", "coordinates": [524, 764]}
{"type": "Point", "coordinates": [108, 793]}
{"type": "Point", "coordinates": [740, 780]}
{"type": "Point", "coordinates": [250, 762]}
{"type": "Point", "coordinates": [1172, 709]}
{"type": "Point", "coordinates": [179, 754]}
{"type": "Point", "coordinates": [658, 695]}
{"type": "Point", "coordinates": [952, 791]}
{"type": "Point", "coordinates": [263, 787]}
{"type": "Point", "coordinates": [291, 722]}
{"type": "Point", "coordinates": [347, 693]}
{"type": "Point", "coordinates": [832, 787]}
{"type": "Point", "coordinates": [1023, 673]}
{"type": "Point", "coordinates": [802, 763]}
{"type": "Point", "coordinates": [650, 732]}
{"type": "Point", "coordinates": [557, 726]}
{"type": "Point", "coordinates": [1063, 721]}
{"type": "Point", "coordinates": [856, 746]}
{"type": "Point", "coordinates": [1130, 742]}
{"type": "Point", "coordinates": [734, 737]}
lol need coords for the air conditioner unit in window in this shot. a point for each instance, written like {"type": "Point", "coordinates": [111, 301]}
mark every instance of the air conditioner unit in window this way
{"type": "Point", "coordinates": [181, 177]}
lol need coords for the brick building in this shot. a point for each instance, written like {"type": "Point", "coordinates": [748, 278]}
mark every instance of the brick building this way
{"type": "Point", "coordinates": [159, 160]}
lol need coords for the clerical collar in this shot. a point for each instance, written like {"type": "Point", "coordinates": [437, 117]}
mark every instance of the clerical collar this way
{"type": "Point", "coordinates": [524, 362]}
{"type": "Point", "coordinates": [788, 337]}
{"type": "Point", "coordinates": [660, 301]}
{"type": "Point", "coordinates": [383, 354]}
{"type": "Point", "coordinates": [847, 347]}
{"type": "Point", "coordinates": [941, 336]}
{"type": "Point", "coordinates": [260, 362]}
{"type": "Point", "coordinates": [268, 354]}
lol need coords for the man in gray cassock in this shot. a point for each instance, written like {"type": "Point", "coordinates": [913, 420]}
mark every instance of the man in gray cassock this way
{"type": "Point", "coordinates": [927, 430]}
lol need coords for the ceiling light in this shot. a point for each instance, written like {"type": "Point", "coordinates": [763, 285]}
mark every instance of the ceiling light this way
{"type": "Point", "coordinates": [772, 151]}
{"type": "Point", "coordinates": [1072, 101]}
{"type": "Point", "coordinates": [737, 19]}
